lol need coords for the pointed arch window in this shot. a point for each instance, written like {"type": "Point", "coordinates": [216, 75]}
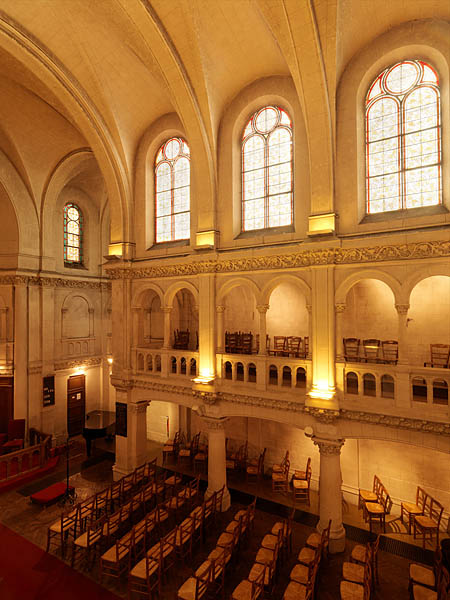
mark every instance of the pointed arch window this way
{"type": "Point", "coordinates": [73, 235]}
{"type": "Point", "coordinates": [267, 181]}
{"type": "Point", "coordinates": [172, 191]}
{"type": "Point", "coordinates": [403, 138]}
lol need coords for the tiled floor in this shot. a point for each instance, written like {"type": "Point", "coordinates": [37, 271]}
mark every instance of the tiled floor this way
{"type": "Point", "coordinates": [32, 522]}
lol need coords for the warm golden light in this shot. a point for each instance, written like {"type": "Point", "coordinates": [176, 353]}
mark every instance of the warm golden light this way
{"type": "Point", "coordinates": [205, 238]}
{"type": "Point", "coordinates": [115, 249]}
{"type": "Point", "coordinates": [321, 392]}
{"type": "Point", "coordinates": [79, 371]}
{"type": "Point", "coordinates": [203, 379]}
{"type": "Point", "coordinates": [110, 360]}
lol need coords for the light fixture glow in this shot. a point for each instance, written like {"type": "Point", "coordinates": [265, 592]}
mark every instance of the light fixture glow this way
{"type": "Point", "coordinates": [110, 360]}
{"type": "Point", "coordinates": [203, 379]}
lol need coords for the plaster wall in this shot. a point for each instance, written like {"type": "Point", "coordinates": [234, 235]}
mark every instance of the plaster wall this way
{"type": "Point", "coordinates": [161, 415]}
{"type": "Point", "coordinates": [370, 312]}
{"type": "Point", "coordinates": [240, 311]}
{"type": "Point", "coordinates": [287, 314]}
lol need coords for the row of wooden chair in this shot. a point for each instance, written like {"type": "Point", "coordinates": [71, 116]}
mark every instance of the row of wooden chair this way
{"type": "Point", "coordinates": [376, 504]}
{"type": "Point", "coordinates": [373, 350]}
{"type": "Point", "coordinates": [291, 345]}
{"type": "Point", "coordinates": [238, 342]}
{"type": "Point", "coordinates": [427, 583]}
{"type": "Point", "coordinates": [440, 356]}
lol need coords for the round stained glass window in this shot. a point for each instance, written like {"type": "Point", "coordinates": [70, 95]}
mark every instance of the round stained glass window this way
{"type": "Point", "coordinates": [172, 149]}
{"type": "Point", "coordinates": [266, 120]}
{"type": "Point", "coordinates": [72, 213]}
{"type": "Point", "coordinates": [401, 78]}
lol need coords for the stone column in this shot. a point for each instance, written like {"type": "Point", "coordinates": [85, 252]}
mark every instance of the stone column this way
{"type": "Point", "coordinates": [330, 491]}
{"type": "Point", "coordinates": [220, 333]}
{"type": "Point", "coordinates": [21, 317]}
{"type": "Point", "coordinates": [309, 309]}
{"type": "Point", "coordinates": [167, 311]}
{"type": "Point", "coordinates": [262, 309]}
{"type": "Point", "coordinates": [131, 450]}
{"type": "Point", "coordinates": [402, 311]}
{"type": "Point", "coordinates": [217, 471]}
{"type": "Point", "coordinates": [135, 318]}
{"type": "Point", "coordinates": [339, 308]}
{"type": "Point", "coordinates": [3, 331]}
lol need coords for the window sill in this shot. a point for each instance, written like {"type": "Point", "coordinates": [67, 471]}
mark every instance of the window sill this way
{"type": "Point", "coordinates": [265, 232]}
{"type": "Point", "coordinates": [75, 266]}
{"type": "Point", "coordinates": [173, 244]}
{"type": "Point", "coordinates": [405, 213]}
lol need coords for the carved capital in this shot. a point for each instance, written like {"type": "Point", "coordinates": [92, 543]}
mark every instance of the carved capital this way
{"type": "Point", "coordinates": [309, 308]}
{"type": "Point", "coordinates": [214, 423]}
{"type": "Point", "coordinates": [205, 397]}
{"type": "Point", "coordinates": [220, 309]}
{"type": "Point", "coordinates": [262, 308]}
{"type": "Point", "coordinates": [324, 415]}
{"type": "Point", "coordinates": [166, 309]}
{"type": "Point", "coordinates": [4, 310]}
{"type": "Point", "coordinates": [138, 407]}
{"type": "Point", "coordinates": [340, 308]}
{"type": "Point", "coordinates": [328, 446]}
{"type": "Point", "coordinates": [91, 311]}
{"type": "Point", "coordinates": [402, 309]}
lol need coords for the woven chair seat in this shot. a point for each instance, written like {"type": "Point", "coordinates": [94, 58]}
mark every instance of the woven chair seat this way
{"type": "Point", "coordinates": [269, 541]}
{"type": "Point", "coordinates": [351, 591]}
{"type": "Point", "coordinates": [278, 477]}
{"type": "Point", "coordinates": [140, 569]}
{"type": "Point", "coordinates": [253, 462]}
{"type": "Point", "coordinates": [277, 468]}
{"type": "Point", "coordinates": [196, 512]}
{"type": "Point", "coordinates": [187, 590]}
{"type": "Point", "coordinates": [264, 556]}
{"type": "Point", "coordinates": [173, 480]}
{"type": "Point", "coordinates": [243, 591]}
{"type": "Point", "coordinates": [255, 572]}
{"type": "Point", "coordinates": [184, 452]}
{"type": "Point", "coordinates": [368, 495]}
{"type": "Point", "coordinates": [203, 448]}
{"type": "Point", "coordinates": [419, 592]}
{"type": "Point", "coordinates": [175, 502]}
{"type": "Point", "coordinates": [299, 474]}
{"type": "Point", "coordinates": [217, 553]}
{"type": "Point", "coordinates": [300, 574]}
{"type": "Point", "coordinates": [422, 575]}
{"type": "Point", "coordinates": [232, 526]}
{"type": "Point", "coordinates": [374, 508]}
{"type": "Point", "coordinates": [314, 540]}
{"type": "Point", "coordinates": [242, 513]}
{"type": "Point", "coordinates": [300, 484]}
{"type": "Point", "coordinates": [230, 464]}
{"type": "Point", "coordinates": [225, 539]}
{"type": "Point", "coordinates": [426, 522]}
{"type": "Point", "coordinates": [200, 456]}
{"type": "Point", "coordinates": [412, 508]}
{"type": "Point", "coordinates": [306, 555]}
{"type": "Point", "coordinates": [359, 553]}
{"type": "Point", "coordinates": [295, 591]}
{"type": "Point", "coordinates": [252, 470]}
{"type": "Point", "coordinates": [353, 572]}
{"type": "Point", "coordinates": [276, 528]}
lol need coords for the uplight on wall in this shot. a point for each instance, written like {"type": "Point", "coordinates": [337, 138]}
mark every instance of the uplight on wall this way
{"type": "Point", "coordinates": [79, 371]}
{"type": "Point", "coordinates": [110, 360]}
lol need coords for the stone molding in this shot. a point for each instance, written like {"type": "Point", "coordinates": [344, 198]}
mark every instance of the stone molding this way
{"type": "Point", "coordinates": [322, 415]}
{"type": "Point", "coordinates": [329, 447]}
{"type": "Point", "coordinates": [262, 308]}
{"type": "Point", "coordinates": [205, 397]}
{"type": "Point", "coordinates": [56, 282]}
{"type": "Point", "coordinates": [138, 408]}
{"type": "Point", "coordinates": [214, 423]}
{"type": "Point", "coordinates": [91, 361]}
{"type": "Point", "coordinates": [220, 308]}
{"type": "Point", "coordinates": [307, 258]}
{"type": "Point", "coordinates": [402, 309]}
{"type": "Point", "coordinates": [340, 308]}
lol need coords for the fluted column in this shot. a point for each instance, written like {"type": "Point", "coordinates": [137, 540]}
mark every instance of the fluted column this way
{"type": "Point", "coordinates": [3, 331]}
{"type": "Point", "coordinates": [330, 491]}
{"type": "Point", "coordinates": [402, 311]}
{"type": "Point", "coordinates": [217, 469]}
{"type": "Point", "coordinates": [220, 333]}
{"type": "Point", "coordinates": [309, 309]}
{"type": "Point", "coordinates": [262, 309]}
{"type": "Point", "coordinates": [135, 318]}
{"type": "Point", "coordinates": [339, 308]}
{"type": "Point", "coordinates": [167, 311]}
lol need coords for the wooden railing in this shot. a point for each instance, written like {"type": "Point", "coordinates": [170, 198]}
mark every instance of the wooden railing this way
{"type": "Point", "coordinates": [30, 459]}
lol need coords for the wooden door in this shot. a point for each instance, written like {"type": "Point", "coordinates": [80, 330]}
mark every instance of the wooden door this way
{"type": "Point", "coordinates": [76, 404]}
{"type": "Point", "coordinates": [6, 402]}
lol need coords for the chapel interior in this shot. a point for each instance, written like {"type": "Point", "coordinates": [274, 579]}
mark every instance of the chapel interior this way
{"type": "Point", "coordinates": [225, 299]}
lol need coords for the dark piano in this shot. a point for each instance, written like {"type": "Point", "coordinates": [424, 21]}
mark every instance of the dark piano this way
{"type": "Point", "coordinates": [98, 424]}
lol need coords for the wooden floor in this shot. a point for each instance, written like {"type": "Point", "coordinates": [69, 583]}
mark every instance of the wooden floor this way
{"type": "Point", "coordinates": [31, 521]}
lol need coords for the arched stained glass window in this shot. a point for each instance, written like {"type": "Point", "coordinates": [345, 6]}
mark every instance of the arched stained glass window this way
{"type": "Point", "coordinates": [403, 138]}
{"type": "Point", "coordinates": [267, 170]}
{"type": "Point", "coordinates": [73, 235]}
{"type": "Point", "coordinates": [172, 191]}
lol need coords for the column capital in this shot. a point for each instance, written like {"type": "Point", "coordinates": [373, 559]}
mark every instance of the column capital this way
{"type": "Point", "coordinates": [3, 309]}
{"type": "Point", "coordinates": [402, 309]}
{"type": "Point", "coordinates": [220, 308]}
{"type": "Point", "coordinates": [215, 423]}
{"type": "Point", "coordinates": [262, 308]}
{"type": "Point", "coordinates": [309, 308]}
{"type": "Point", "coordinates": [340, 307]}
{"type": "Point", "coordinates": [91, 311]}
{"type": "Point", "coordinates": [138, 407]}
{"type": "Point", "coordinates": [166, 309]}
{"type": "Point", "coordinates": [329, 446]}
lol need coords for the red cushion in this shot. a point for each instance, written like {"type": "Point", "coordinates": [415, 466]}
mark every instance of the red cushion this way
{"type": "Point", "coordinates": [51, 493]}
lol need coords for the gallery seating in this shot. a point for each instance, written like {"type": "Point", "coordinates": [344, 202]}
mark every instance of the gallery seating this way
{"type": "Point", "coordinates": [181, 339]}
{"type": "Point", "coordinates": [429, 522]}
{"type": "Point", "coordinates": [440, 356]}
{"type": "Point", "coordinates": [370, 350]}
{"type": "Point", "coordinates": [411, 510]}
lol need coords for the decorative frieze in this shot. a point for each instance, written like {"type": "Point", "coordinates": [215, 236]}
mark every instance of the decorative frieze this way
{"type": "Point", "coordinates": [307, 258]}
{"type": "Point", "coordinates": [91, 361]}
{"type": "Point", "coordinates": [57, 282]}
{"type": "Point", "coordinates": [419, 425]}
{"type": "Point", "coordinates": [324, 415]}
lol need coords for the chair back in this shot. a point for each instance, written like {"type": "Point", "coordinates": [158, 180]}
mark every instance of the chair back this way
{"type": "Point", "coordinates": [293, 344]}
{"type": "Point", "coordinates": [279, 342]}
{"type": "Point", "coordinates": [210, 506]}
{"type": "Point", "coordinates": [326, 534]}
{"type": "Point", "coordinates": [261, 462]}
{"type": "Point", "coordinates": [219, 499]}
{"type": "Point", "coordinates": [440, 354]}
{"type": "Point", "coordinates": [421, 497]}
{"type": "Point", "coordinates": [202, 582]}
{"type": "Point", "coordinates": [390, 351]}
{"type": "Point", "coordinates": [351, 349]}
{"type": "Point", "coordinates": [436, 510]}
{"type": "Point", "coordinates": [258, 585]}
{"type": "Point", "coordinates": [371, 347]}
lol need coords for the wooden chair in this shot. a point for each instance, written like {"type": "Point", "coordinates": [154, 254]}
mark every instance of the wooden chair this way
{"type": "Point", "coordinates": [190, 492]}
{"type": "Point", "coordinates": [196, 587]}
{"type": "Point", "coordinates": [115, 494]}
{"type": "Point", "coordinates": [351, 349]}
{"type": "Point", "coordinates": [429, 522]}
{"type": "Point", "coordinates": [188, 453]}
{"type": "Point", "coordinates": [279, 467]}
{"type": "Point", "coordinates": [102, 502]}
{"type": "Point", "coordinates": [201, 458]}
{"type": "Point", "coordinates": [265, 556]}
{"type": "Point", "coordinates": [257, 343]}
{"type": "Point", "coordinates": [250, 590]}
{"type": "Point", "coordinates": [246, 343]}
{"type": "Point", "coordinates": [440, 356]}
{"type": "Point", "coordinates": [374, 511]}
{"type": "Point", "coordinates": [67, 525]}
{"type": "Point", "coordinates": [280, 480]}
{"type": "Point", "coordinates": [316, 539]}
{"type": "Point", "coordinates": [304, 352]}
{"type": "Point", "coordinates": [389, 350]}
{"type": "Point", "coordinates": [426, 576]}
{"type": "Point", "coordinates": [303, 474]}
{"type": "Point", "coordinates": [286, 527]}
{"type": "Point", "coordinates": [279, 346]}
{"type": "Point", "coordinates": [411, 510]}
{"type": "Point", "coordinates": [293, 344]}
{"type": "Point", "coordinates": [117, 559]}
{"type": "Point", "coordinates": [171, 448]}
{"type": "Point", "coordinates": [302, 574]}
{"type": "Point", "coordinates": [269, 575]}
{"type": "Point", "coordinates": [301, 487]}
{"type": "Point", "coordinates": [181, 339]}
{"type": "Point", "coordinates": [183, 539]}
{"type": "Point", "coordinates": [128, 483]}
{"type": "Point", "coordinates": [369, 495]}
{"type": "Point", "coordinates": [255, 473]}
{"type": "Point", "coordinates": [358, 555]}
{"type": "Point", "coordinates": [420, 592]}
{"type": "Point", "coordinates": [354, 571]}
{"type": "Point", "coordinates": [371, 348]}
{"type": "Point", "coordinates": [355, 591]}
{"type": "Point", "coordinates": [88, 542]}
{"type": "Point", "coordinates": [231, 343]}
{"type": "Point", "coordinates": [145, 577]}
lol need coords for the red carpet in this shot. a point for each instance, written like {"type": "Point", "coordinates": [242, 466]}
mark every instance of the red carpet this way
{"type": "Point", "coordinates": [29, 573]}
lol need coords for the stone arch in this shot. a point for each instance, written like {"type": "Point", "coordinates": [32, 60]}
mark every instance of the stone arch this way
{"type": "Point", "coordinates": [176, 287]}
{"type": "Point", "coordinates": [230, 284]}
{"type": "Point", "coordinates": [345, 285]}
{"type": "Point", "coordinates": [76, 312]}
{"type": "Point", "coordinates": [423, 273]}
{"type": "Point", "coordinates": [138, 295]}
{"type": "Point", "coordinates": [299, 282]}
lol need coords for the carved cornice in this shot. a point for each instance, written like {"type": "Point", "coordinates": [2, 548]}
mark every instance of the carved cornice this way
{"type": "Point", "coordinates": [214, 423]}
{"type": "Point", "coordinates": [307, 258]}
{"type": "Point", "coordinates": [90, 361]}
{"type": "Point", "coordinates": [420, 425]}
{"type": "Point", "coordinates": [138, 407]}
{"type": "Point", "coordinates": [324, 415]}
{"type": "Point", "coordinates": [57, 282]}
{"type": "Point", "coordinates": [205, 397]}
{"type": "Point", "coordinates": [330, 447]}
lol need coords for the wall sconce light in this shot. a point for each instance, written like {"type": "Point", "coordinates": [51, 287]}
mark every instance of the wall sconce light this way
{"type": "Point", "coordinates": [110, 360]}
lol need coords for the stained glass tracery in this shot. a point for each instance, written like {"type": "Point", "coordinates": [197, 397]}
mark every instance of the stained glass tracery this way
{"type": "Point", "coordinates": [73, 235]}
{"type": "Point", "coordinates": [172, 182]}
{"type": "Point", "coordinates": [267, 170]}
{"type": "Point", "coordinates": [403, 138]}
